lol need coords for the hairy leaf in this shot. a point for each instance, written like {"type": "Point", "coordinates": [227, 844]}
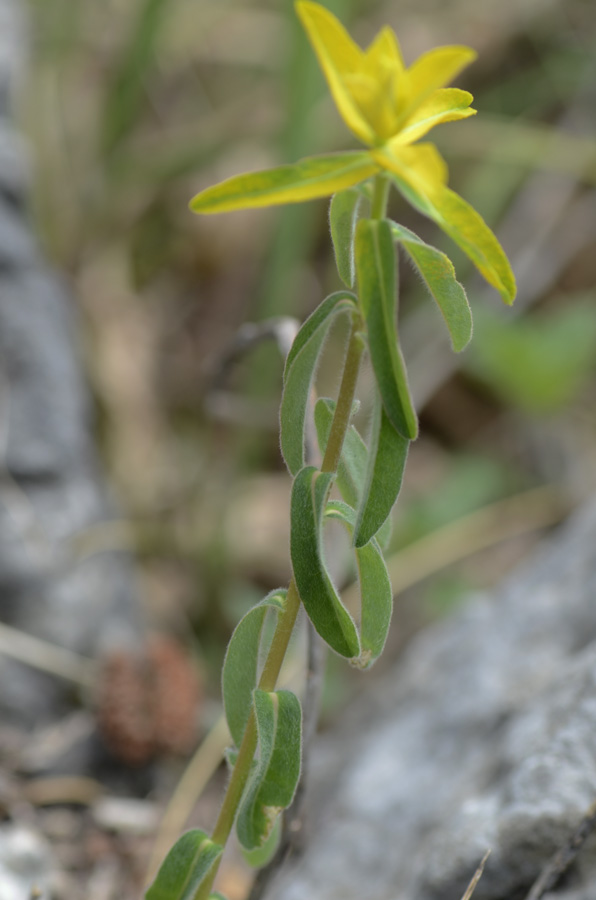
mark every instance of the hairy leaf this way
{"type": "Point", "coordinates": [376, 596]}
{"type": "Point", "coordinates": [240, 668]}
{"type": "Point", "coordinates": [351, 471]}
{"type": "Point", "coordinates": [384, 475]}
{"type": "Point", "coordinates": [263, 855]}
{"type": "Point", "coordinates": [321, 601]}
{"type": "Point", "coordinates": [273, 783]}
{"type": "Point", "coordinates": [464, 226]}
{"type": "Point", "coordinates": [186, 866]}
{"type": "Point", "coordinates": [299, 373]}
{"type": "Point", "coordinates": [439, 276]}
{"type": "Point", "coordinates": [343, 215]}
{"type": "Point", "coordinates": [375, 267]}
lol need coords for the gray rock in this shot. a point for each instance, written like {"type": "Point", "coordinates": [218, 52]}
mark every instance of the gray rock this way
{"type": "Point", "coordinates": [26, 864]}
{"type": "Point", "coordinates": [52, 489]}
{"type": "Point", "coordinates": [483, 737]}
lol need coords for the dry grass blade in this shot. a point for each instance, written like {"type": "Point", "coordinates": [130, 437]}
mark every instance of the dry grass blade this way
{"type": "Point", "coordinates": [476, 878]}
{"type": "Point", "coordinates": [47, 657]}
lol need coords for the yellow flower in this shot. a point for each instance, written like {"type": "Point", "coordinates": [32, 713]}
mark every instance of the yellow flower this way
{"type": "Point", "coordinates": [379, 99]}
{"type": "Point", "coordinates": [388, 107]}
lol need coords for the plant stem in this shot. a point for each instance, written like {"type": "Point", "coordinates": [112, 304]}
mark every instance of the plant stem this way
{"type": "Point", "coordinates": [267, 682]}
{"type": "Point", "coordinates": [378, 207]}
{"type": "Point", "coordinates": [343, 408]}
{"type": "Point", "coordinates": [287, 619]}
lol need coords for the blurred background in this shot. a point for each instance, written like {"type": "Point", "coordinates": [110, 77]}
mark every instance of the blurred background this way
{"type": "Point", "coordinates": [131, 107]}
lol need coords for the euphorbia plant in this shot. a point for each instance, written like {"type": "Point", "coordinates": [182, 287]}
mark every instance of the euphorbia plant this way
{"type": "Point", "coordinates": [389, 108]}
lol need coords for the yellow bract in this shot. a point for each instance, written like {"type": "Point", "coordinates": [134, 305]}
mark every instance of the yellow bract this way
{"type": "Point", "coordinates": [388, 107]}
{"type": "Point", "coordinates": [378, 98]}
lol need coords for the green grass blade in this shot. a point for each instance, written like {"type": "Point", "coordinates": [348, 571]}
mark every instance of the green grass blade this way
{"type": "Point", "coordinates": [126, 91]}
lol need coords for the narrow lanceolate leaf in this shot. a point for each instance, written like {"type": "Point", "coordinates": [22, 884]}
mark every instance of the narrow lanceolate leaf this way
{"type": "Point", "coordinates": [240, 668]}
{"type": "Point", "coordinates": [351, 471]}
{"type": "Point", "coordinates": [376, 596]}
{"type": "Point", "coordinates": [321, 601]}
{"type": "Point", "coordinates": [343, 215]}
{"type": "Point", "coordinates": [464, 226]}
{"type": "Point", "coordinates": [315, 176]}
{"type": "Point", "coordinates": [439, 276]}
{"type": "Point", "coordinates": [386, 464]}
{"type": "Point", "coordinates": [299, 372]}
{"type": "Point", "coordinates": [375, 267]}
{"type": "Point", "coordinates": [187, 865]}
{"type": "Point", "coordinates": [273, 783]}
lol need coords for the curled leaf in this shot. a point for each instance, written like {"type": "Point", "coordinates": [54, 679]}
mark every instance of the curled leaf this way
{"type": "Point", "coordinates": [274, 780]}
{"type": "Point", "coordinates": [376, 596]}
{"type": "Point", "coordinates": [240, 668]}
{"type": "Point", "coordinates": [321, 601]}
{"type": "Point", "coordinates": [185, 868]}
{"type": "Point", "coordinates": [386, 463]}
{"type": "Point", "coordinates": [299, 372]}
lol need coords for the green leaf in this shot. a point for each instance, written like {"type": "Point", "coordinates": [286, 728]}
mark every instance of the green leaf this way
{"type": "Point", "coordinates": [186, 866]}
{"type": "Point", "coordinates": [299, 372]}
{"type": "Point", "coordinates": [439, 276]}
{"type": "Point", "coordinates": [467, 228]}
{"type": "Point", "coordinates": [315, 176]}
{"type": "Point", "coordinates": [321, 601]}
{"type": "Point", "coordinates": [386, 464]}
{"type": "Point", "coordinates": [274, 781]}
{"type": "Point", "coordinates": [376, 596]}
{"type": "Point", "coordinates": [351, 471]}
{"type": "Point", "coordinates": [375, 267]}
{"type": "Point", "coordinates": [343, 215]}
{"type": "Point", "coordinates": [240, 668]}
{"type": "Point", "coordinates": [263, 855]}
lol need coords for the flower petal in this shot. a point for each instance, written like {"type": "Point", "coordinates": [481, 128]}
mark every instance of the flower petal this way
{"type": "Point", "coordinates": [437, 68]}
{"type": "Point", "coordinates": [445, 105]}
{"type": "Point", "coordinates": [315, 176]}
{"type": "Point", "coordinates": [339, 57]}
{"type": "Point", "coordinates": [385, 46]}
